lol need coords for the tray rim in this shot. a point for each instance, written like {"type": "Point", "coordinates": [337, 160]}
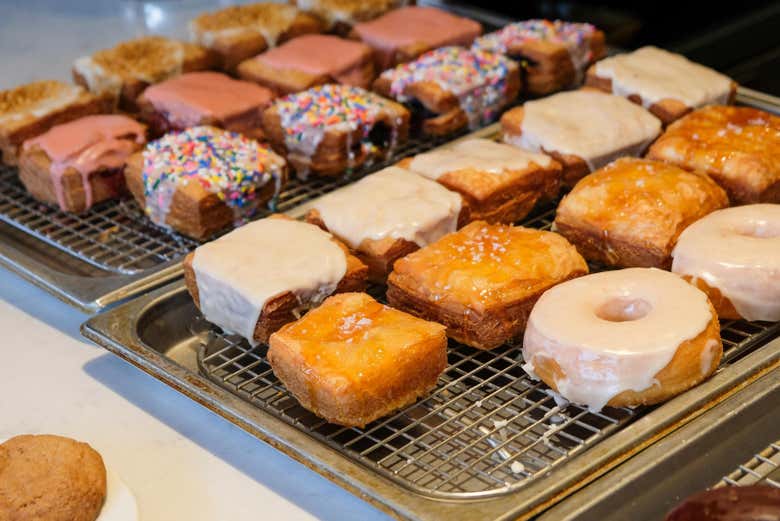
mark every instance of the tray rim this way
{"type": "Point", "coordinates": [116, 331]}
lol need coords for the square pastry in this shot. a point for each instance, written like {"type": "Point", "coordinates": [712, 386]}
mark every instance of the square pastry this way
{"type": "Point", "coordinates": [204, 179]}
{"type": "Point", "coordinates": [353, 360]}
{"type": "Point", "coordinates": [205, 98]}
{"type": "Point", "coordinates": [340, 16]}
{"type": "Point", "coordinates": [403, 34]}
{"type": "Point", "coordinates": [553, 54]}
{"type": "Point", "coordinates": [387, 215]}
{"type": "Point", "coordinates": [77, 164]}
{"type": "Point", "coordinates": [267, 273]}
{"type": "Point", "coordinates": [121, 73]}
{"type": "Point", "coordinates": [310, 60]}
{"type": "Point", "coordinates": [667, 84]}
{"type": "Point", "coordinates": [29, 110]}
{"type": "Point", "coordinates": [482, 281]}
{"type": "Point", "coordinates": [631, 212]}
{"type": "Point", "coordinates": [329, 130]}
{"type": "Point", "coordinates": [739, 147]}
{"type": "Point", "coordinates": [583, 130]}
{"type": "Point", "coordinates": [451, 88]}
{"type": "Point", "coordinates": [500, 183]}
{"type": "Point", "coordinates": [238, 32]}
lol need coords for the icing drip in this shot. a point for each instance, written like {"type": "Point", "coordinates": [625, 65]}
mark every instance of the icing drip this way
{"type": "Point", "coordinates": [392, 203]}
{"type": "Point", "coordinates": [595, 126]}
{"type": "Point", "coordinates": [478, 79]}
{"type": "Point", "coordinates": [267, 19]}
{"type": "Point", "coordinates": [655, 74]}
{"type": "Point", "coordinates": [307, 115]}
{"type": "Point", "coordinates": [574, 36]}
{"type": "Point", "coordinates": [737, 251]}
{"type": "Point", "coordinates": [478, 154]}
{"type": "Point", "coordinates": [239, 272]}
{"type": "Point", "coordinates": [224, 163]}
{"type": "Point", "coordinates": [88, 145]}
{"type": "Point", "coordinates": [622, 327]}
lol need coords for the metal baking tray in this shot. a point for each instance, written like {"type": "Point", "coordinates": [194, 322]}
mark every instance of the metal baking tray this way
{"type": "Point", "coordinates": [488, 443]}
{"type": "Point", "coordinates": [734, 443]}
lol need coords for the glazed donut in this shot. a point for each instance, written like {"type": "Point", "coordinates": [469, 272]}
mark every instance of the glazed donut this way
{"type": "Point", "coordinates": [733, 255]}
{"type": "Point", "coordinates": [622, 338]}
{"type": "Point", "coordinates": [749, 503]}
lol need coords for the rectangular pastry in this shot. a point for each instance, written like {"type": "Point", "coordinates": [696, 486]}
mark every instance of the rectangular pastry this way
{"type": "Point", "coordinates": [267, 273]}
{"type": "Point", "coordinates": [500, 183]}
{"type": "Point", "coordinates": [353, 360]}
{"type": "Point", "coordinates": [739, 147]}
{"type": "Point", "coordinates": [238, 32]}
{"type": "Point", "coordinates": [310, 60]}
{"type": "Point", "coordinates": [553, 54]}
{"type": "Point", "coordinates": [340, 16]}
{"type": "Point", "coordinates": [583, 130]}
{"type": "Point", "coordinates": [29, 110]}
{"type": "Point", "coordinates": [404, 34]}
{"type": "Point", "coordinates": [482, 281]}
{"type": "Point", "coordinates": [451, 87]}
{"type": "Point", "coordinates": [77, 164]}
{"type": "Point", "coordinates": [631, 212]}
{"type": "Point", "coordinates": [387, 215]}
{"type": "Point", "coordinates": [204, 179]}
{"type": "Point", "coordinates": [205, 98]}
{"type": "Point", "coordinates": [330, 129]}
{"type": "Point", "coordinates": [667, 84]}
{"type": "Point", "coordinates": [121, 73]}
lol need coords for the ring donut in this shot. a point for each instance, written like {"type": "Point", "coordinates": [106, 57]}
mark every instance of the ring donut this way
{"type": "Point", "coordinates": [622, 338]}
{"type": "Point", "coordinates": [733, 255]}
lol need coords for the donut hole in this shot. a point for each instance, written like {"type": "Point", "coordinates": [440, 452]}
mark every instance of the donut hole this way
{"type": "Point", "coordinates": [758, 230]}
{"type": "Point", "coordinates": [623, 309]}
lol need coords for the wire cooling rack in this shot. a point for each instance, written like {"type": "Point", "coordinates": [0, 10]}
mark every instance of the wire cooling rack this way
{"type": "Point", "coordinates": [761, 469]}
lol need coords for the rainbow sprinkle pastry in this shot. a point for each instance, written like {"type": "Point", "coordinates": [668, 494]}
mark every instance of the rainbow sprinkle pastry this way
{"type": "Point", "coordinates": [478, 79]}
{"type": "Point", "coordinates": [224, 163]}
{"type": "Point", "coordinates": [574, 36]}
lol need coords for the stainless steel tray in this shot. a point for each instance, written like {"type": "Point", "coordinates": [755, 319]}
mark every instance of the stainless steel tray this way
{"type": "Point", "coordinates": [735, 443]}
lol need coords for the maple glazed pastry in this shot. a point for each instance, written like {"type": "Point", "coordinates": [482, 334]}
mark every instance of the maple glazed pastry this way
{"type": "Point", "coordinates": [553, 54]}
{"type": "Point", "coordinates": [387, 215]}
{"type": "Point", "coordinates": [738, 147]}
{"type": "Point", "coordinates": [482, 280]}
{"type": "Point", "coordinates": [80, 163]}
{"type": "Point", "coordinates": [266, 273]}
{"type": "Point", "coordinates": [631, 337]}
{"type": "Point", "coordinates": [667, 84]}
{"type": "Point", "coordinates": [500, 183]}
{"type": "Point", "coordinates": [631, 212]}
{"type": "Point", "coordinates": [238, 32]}
{"type": "Point", "coordinates": [353, 360]}
{"type": "Point", "coordinates": [452, 87]}
{"type": "Point", "coordinates": [204, 179]}
{"type": "Point", "coordinates": [733, 255]}
{"type": "Point", "coordinates": [32, 109]}
{"type": "Point", "coordinates": [583, 130]}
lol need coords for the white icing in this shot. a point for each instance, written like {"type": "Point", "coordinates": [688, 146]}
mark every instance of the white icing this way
{"type": "Point", "coordinates": [392, 203]}
{"type": "Point", "coordinates": [480, 154]}
{"type": "Point", "coordinates": [239, 272]}
{"type": "Point", "coordinates": [595, 126]}
{"type": "Point", "coordinates": [99, 80]}
{"type": "Point", "coordinates": [737, 251]}
{"type": "Point", "coordinates": [655, 74]}
{"type": "Point", "coordinates": [44, 106]}
{"type": "Point", "coordinates": [601, 358]}
{"type": "Point", "coordinates": [517, 467]}
{"type": "Point", "coordinates": [282, 18]}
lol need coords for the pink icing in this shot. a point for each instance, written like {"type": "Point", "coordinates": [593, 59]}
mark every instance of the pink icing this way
{"type": "Point", "coordinates": [87, 145]}
{"type": "Point", "coordinates": [410, 25]}
{"type": "Point", "coordinates": [317, 54]}
{"type": "Point", "coordinates": [188, 98]}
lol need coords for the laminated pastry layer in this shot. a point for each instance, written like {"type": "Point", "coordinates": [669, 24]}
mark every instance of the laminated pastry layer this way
{"type": "Point", "coordinates": [224, 163]}
{"type": "Point", "coordinates": [241, 271]}
{"type": "Point", "coordinates": [268, 19]}
{"type": "Point", "coordinates": [592, 125]}
{"type": "Point", "coordinates": [736, 251]}
{"type": "Point", "coordinates": [620, 329]}
{"type": "Point", "coordinates": [392, 203]}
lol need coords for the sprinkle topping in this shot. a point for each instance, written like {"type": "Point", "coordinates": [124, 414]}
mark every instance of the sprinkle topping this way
{"type": "Point", "coordinates": [477, 78]}
{"type": "Point", "coordinates": [227, 164]}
